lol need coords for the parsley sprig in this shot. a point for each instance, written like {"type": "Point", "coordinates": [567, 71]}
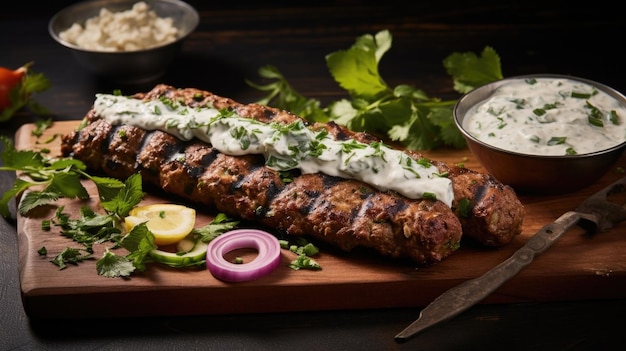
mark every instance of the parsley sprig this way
{"type": "Point", "coordinates": [44, 180]}
{"type": "Point", "coordinates": [49, 179]}
{"type": "Point", "coordinates": [404, 113]}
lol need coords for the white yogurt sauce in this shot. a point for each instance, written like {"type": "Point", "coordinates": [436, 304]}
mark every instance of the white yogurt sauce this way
{"type": "Point", "coordinates": [548, 116]}
{"type": "Point", "coordinates": [284, 147]}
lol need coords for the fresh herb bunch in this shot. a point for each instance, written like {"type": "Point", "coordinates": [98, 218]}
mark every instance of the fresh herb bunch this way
{"type": "Point", "coordinates": [404, 113]}
{"type": "Point", "coordinates": [55, 178]}
{"type": "Point", "coordinates": [44, 180]}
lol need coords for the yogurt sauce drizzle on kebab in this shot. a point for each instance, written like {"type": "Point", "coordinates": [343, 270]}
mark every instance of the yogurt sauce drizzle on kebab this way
{"type": "Point", "coordinates": [284, 146]}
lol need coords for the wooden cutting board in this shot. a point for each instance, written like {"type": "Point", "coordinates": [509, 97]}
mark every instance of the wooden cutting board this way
{"type": "Point", "coordinates": [577, 267]}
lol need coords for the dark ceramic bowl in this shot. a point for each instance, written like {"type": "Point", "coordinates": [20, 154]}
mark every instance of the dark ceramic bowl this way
{"type": "Point", "coordinates": [539, 174]}
{"type": "Point", "coordinates": [131, 67]}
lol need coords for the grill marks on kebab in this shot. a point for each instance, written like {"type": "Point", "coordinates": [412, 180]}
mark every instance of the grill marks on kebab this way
{"type": "Point", "coordinates": [346, 213]}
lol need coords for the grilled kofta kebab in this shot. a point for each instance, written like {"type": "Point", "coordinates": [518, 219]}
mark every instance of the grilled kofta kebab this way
{"type": "Point", "coordinates": [333, 207]}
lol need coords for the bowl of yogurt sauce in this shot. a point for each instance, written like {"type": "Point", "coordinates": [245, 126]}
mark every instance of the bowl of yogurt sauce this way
{"type": "Point", "coordinates": [544, 133]}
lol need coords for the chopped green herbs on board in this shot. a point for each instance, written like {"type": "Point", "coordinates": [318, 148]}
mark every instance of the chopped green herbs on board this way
{"type": "Point", "coordinates": [44, 180]}
{"type": "Point", "coordinates": [404, 113]}
{"type": "Point", "coordinates": [52, 178]}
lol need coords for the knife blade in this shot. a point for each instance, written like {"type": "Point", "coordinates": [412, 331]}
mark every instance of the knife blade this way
{"type": "Point", "coordinates": [598, 210]}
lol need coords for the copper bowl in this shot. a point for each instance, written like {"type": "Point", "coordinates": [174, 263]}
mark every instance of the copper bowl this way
{"type": "Point", "coordinates": [539, 174]}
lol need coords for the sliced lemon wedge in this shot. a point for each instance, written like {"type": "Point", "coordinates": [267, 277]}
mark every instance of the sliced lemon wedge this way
{"type": "Point", "coordinates": [169, 223]}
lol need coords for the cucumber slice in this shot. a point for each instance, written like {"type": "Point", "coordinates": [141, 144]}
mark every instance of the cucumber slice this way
{"type": "Point", "coordinates": [195, 254]}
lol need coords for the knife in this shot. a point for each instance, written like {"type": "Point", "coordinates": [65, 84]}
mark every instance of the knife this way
{"type": "Point", "coordinates": [598, 211]}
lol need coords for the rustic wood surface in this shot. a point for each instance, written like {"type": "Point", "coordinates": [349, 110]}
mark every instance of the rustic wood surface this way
{"type": "Point", "coordinates": [577, 267]}
{"type": "Point", "coordinates": [232, 41]}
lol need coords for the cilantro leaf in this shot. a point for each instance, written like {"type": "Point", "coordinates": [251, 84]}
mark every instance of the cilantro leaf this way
{"type": "Point", "coordinates": [470, 71]}
{"type": "Point", "coordinates": [90, 228]}
{"type": "Point", "coordinates": [41, 125]}
{"type": "Point", "coordinates": [126, 197]}
{"type": "Point", "coordinates": [219, 225]}
{"type": "Point", "coordinates": [34, 199]}
{"type": "Point", "coordinates": [58, 176]}
{"type": "Point", "coordinates": [139, 242]}
{"type": "Point", "coordinates": [15, 160]}
{"type": "Point", "coordinates": [356, 69]}
{"type": "Point", "coordinates": [19, 186]}
{"type": "Point", "coordinates": [303, 261]}
{"type": "Point", "coordinates": [287, 97]}
{"type": "Point", "coordinates": [64, 164]}
{"type": "Point", "coordinates": [404, 113]}
{"type": "Point", "coordinates": [67, 185]}
{"type": "Point", "coordinates": [108, 188]}
{"type": "Point", "coordinates": [70, 255]}
{"type": "Point", "coordinates": [63, 178]}
{"type": "Point", "coordinates": [113, 266]}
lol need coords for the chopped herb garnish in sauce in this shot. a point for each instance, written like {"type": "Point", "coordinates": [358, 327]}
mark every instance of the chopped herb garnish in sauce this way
{"type": "Point", "coordinates": [285, 146]}
{"type": "Point", "coordinates": [548, 116]}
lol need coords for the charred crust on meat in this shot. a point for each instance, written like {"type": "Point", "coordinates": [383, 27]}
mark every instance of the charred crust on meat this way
{"type": "Point", "coordinates": [330, 181]}
{"type": "Point", "coordinates": [312, 196]}
{"type": "Point", "coordinates": [195, 171]}
{"type": "Point", "coordinates": [342, 212]}
{"type": "Point", "coordinates": [479, 194]}
{"type": "Point", "coordinates": [338, 132]}
{"type": "Point", "coordinates": [209, 157]}
{"type": "Point", "coordinates": [395, 208]}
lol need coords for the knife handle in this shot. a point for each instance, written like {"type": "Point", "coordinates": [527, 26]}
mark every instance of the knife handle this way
{"type": "Point", "coordinates": [465, 295]}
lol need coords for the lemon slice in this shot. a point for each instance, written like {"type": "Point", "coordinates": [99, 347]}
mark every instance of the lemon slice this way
{"type": "Point", "coordinates": [169, 223]}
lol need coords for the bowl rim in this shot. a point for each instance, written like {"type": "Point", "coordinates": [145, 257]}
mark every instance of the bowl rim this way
{"type": "Point", "coordinates": [605, 88]}
{"type": "Point", "coordinates": [182, 4]}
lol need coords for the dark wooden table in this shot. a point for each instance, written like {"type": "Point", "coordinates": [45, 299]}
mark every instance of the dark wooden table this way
{"type": "Point", "coordinates": [231, 43]}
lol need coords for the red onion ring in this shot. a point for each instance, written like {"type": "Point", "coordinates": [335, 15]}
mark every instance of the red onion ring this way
{"type": "Point", "coordinates": [266, 261]}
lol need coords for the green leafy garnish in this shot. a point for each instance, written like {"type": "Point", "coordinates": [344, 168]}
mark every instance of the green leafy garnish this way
{"type": "Point", "coordinates": [112, 266]}
{"type": "Point", "coordinates": [403, 113]}
{"type": "Point", "coordinates": [70, 255]}
{"type": "Point", "coordinates": [41, 125]}
{"type": "Point", "coordinates": [556, 141]}
{"type": "Point", "coordinates": [139, 242]}
{"type": "Point", "coordinates": [219, 225]}
{"type": "Point", "coordinates": [56, 178]}
{"type": "Point", "coordinates": [305, 251]}
{"type": "Point", "coordinates": [90, 228]}
{"type": "Point", "coordinates": [21, 95]}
